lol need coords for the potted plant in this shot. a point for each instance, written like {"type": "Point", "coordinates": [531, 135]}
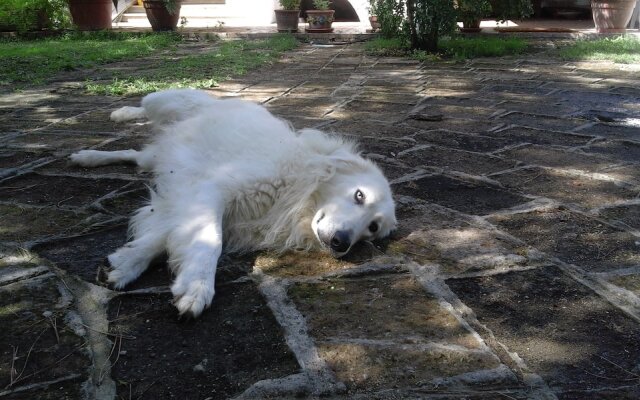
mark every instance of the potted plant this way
{"type": "Point", "coordinates": [91, 15]}
{"type": "Point", "coordinates": [373, 14]}
{"type": "Point", "coordinates": [287, 18]}
{"type": "Point", "coordinates": [163, 15]}
{"type": "Point", "coordinates": [320, 19]}
{"type": "Point", "coordinates": [471, 13]}
{"type": "Point", "coordinates": [611, 16]}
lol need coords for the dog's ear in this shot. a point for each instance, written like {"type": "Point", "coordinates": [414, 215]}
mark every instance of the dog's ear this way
{"type": "Point", "coordinates": [323, 143]}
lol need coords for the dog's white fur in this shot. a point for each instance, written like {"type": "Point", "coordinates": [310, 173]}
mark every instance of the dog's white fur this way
{"type": "Point", "coordinates": [229, 172]}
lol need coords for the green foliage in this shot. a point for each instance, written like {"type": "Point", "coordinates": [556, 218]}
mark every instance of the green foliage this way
{"type": "Point", "coordinates": [28, 15]}
{"type": "Point", "coordinates": [171, 6]}
{"type": "Point", "coordinates": [203, 71]}
{"type": "Point", "coordinates": [511, 9]}
{"type": "Point", "coordinates": [290, 4]}
{"type": "Point", "coordinates": [429, 20]}
{"type": "Point", "coordinates": [470, 10]}
{"type": "Point", "coordinates": [457, 48]}
{"type": "Point", "coordinates": [623, 50]}
{"type": "Point", "coordinates": [321, 4]}
{"type": "Point", "coordinates": [33, 61]}
{"type": "Point", "coordinates": [391, 16]}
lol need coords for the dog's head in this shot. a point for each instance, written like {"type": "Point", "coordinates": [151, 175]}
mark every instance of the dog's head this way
{"type": "Point", "coordinates": [354, 204]}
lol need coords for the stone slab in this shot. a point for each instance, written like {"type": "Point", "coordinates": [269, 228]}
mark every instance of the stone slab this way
{"type": "Point", "coordinates": [461, 196]}
{"type": "Point", "coordinates": [549, 320]}
{"type": "Point", "coordinates": [574, 238]}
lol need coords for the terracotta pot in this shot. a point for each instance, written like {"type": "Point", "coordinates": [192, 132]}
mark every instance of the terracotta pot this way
{"type": "Point", "coordinates": [91, 15]}
{"type": "Point", "coordinates": [287, 20]}
{"type": "Point", "coordinates": [320, 21]}
{"type": "Point", "coordinates": [612, 15]}
{"type": "Point", "coordinates": [159, 17]}
{"type": "Point", "coordinates": [375, 24]}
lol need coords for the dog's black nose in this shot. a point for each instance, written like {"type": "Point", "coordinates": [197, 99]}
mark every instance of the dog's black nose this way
{"type": "Point", "coordinates": [340, 241]}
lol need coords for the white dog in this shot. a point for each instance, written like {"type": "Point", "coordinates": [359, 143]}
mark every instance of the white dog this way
{"type": "Point", "coordinates": [228, 172]}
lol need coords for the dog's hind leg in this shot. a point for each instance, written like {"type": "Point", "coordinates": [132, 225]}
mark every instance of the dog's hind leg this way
{"type": "Point", "coordinates": [194, 248]}
{"type": "Point", "coordinates": [128, 113]}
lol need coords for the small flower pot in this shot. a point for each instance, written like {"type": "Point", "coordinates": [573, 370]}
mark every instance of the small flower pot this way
{"type": "Point", "coordinates": [159, 17]}
{"type": "Point", "coordinates": [319, 21]}
{"type": "Point", "coordinates": [375, 24]}
{"type": "Point", "coordinates": [471, 26]}
{"type": "Point", "coordinates": [287, 20]}
{"type": "Point", "coordinates": [612, 16]}
{"type": "Point", "coordinates": [91, 15]}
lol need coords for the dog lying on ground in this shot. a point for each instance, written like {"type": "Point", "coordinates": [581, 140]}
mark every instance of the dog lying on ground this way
{"type": "Point", "coordinates": [227, 173]}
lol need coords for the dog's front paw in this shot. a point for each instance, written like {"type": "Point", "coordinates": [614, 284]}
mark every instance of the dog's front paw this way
{"type": "Point", "coordinates": [192, 297]}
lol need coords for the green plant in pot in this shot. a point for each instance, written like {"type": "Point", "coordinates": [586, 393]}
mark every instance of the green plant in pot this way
{"type": "Point", "coordinates": [287, 18]}
{"type": "Point", "coordinates": [471, 13]}
{"type": "Point", "coordinates": [373, 14]}
{"type": "Point", "coordinates": [163, 15]}
{"type": "Point", "coordinates": [320, 19]}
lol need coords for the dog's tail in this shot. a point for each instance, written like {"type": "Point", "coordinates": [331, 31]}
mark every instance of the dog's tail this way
{"type": "Point", "coordinates": [96, 158]}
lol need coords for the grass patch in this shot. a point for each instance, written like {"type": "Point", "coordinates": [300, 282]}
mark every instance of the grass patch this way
{"type": "Point", "coordinates": [623, 50]}
{"type": "Point", "coordinates": [228, 59]}
{"type": "Point", "coordinates": [456, 48]}
{"type": "Point", "coordinates": [31, 62]}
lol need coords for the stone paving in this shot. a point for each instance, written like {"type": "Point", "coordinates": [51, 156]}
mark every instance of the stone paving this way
{"type": "Point", "coordinates": [514, 273]}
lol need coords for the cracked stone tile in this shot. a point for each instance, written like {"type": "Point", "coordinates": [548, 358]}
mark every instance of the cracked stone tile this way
{"type": "Point", "coordinates": [455, 124]}
{"type": "Point", "coordinates": [83, 255]}
{"type": "Point", "coordinates": [541, 121]}
{"type": "Point", "coordinates": [470, 198]}
{"type": "Point", "coordinates": [22, 225]}
{"type": "Point", "coordinates": [629, 282]}
{"type": "Point", "coordinates": [454, 160]}
{"type": "Point", "coordinates": [61, 143]}
{"type": "Point", "coordinates": [462, 141]}
{"type": "Point", "coordinates": [429, 235]}
{"type": "Point", "coordinates": [619, 149]}
{"type": "Point", "coordinates": [384, 330]}
{"type": "Point", "coordinates": [234, 344]}
{"type": "Point", "coordinates": [556, 109]}
{"type": "Point", "coordinates": [613, 131]}
{"type": "Point", "coordinates": [57, 191]}
{"type": "Point", "coordinates": [370, 129]}
{"type": "Point", "coordinates": [41, 342]}
{"type": "Point", "coordinates": [553, 157]}
{"type": "Point", "coordinates": [520, 134]}
{"type": "Point", "coordinates": [574, 189]}
{"type": "Point", "coordinates": [549, 320]}
{"type": "Point", "coordinates": [629, 215]}
{"type": "Point", "coordinates": [573, 238]}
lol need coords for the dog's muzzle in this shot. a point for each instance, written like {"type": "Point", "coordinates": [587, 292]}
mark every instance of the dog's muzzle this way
{"type": "Point", "coordinates": [339, 242]}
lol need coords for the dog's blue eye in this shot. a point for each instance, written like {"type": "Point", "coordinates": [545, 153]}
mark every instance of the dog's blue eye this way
{"type": "Point", "coordinates": [359, 197]}
{"type": "Point", "coordinates": [373, 227]}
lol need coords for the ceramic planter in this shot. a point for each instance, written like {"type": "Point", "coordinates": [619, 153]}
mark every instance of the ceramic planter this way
{"type": "Point", "coordinates": [612, 15]}
{"type": "Point", "coordinates": [287, 20]}
{"type": "Point", "coordinates": [319, 21]}
{"type": "Point", "coordinates": [91, 15]}
{"type": "Point", "coordinates": [375, 24]}
{"type": "Point", "coordinates": [159, 17]}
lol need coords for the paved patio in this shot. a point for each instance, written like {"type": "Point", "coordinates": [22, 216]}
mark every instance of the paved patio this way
{"type": "Point", "coordinates": [514, 274]}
